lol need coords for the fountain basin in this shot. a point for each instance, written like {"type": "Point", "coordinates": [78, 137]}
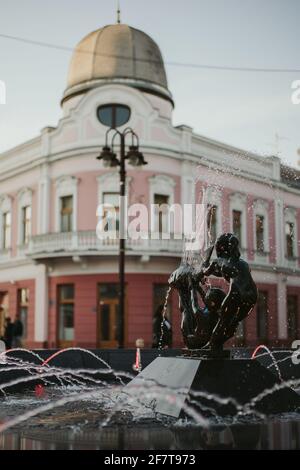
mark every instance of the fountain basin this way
{"type": "Point", "coordinates": [212, 386]}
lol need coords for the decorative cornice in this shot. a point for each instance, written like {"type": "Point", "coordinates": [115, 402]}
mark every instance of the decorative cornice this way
{"type": "Point", "coordinates": [238, 197]}
{"type": "Point", "coordinates": [5, 198]}
{"type": "Point", "coordinates": [24, 191]}
{"type": "Point", "coordinates": [290, 211]}
{"type": "Point", "coordinates": [66, 179]}
{"type": "Point", "coordinates": [260, 203]}
{"type": "Point", "coordinates": [162, 179]}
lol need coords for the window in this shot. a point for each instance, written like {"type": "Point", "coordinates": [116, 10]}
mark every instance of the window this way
{"type": "Point", "coordinates": [262, 315]}
{"type": "Point", "coordinates": [261, 210]}
{"type": "Point", "coordinates": [26, 224]}
{"type": "Point", "coordinates": [66, 197]}
{"type": "Point", "coordinates": [237, 224]}
{"type": "Point", "coordinates": [66, 214]}
{"type": "Point", "coordinates": [112, 211]}
{"type": "Point", "coordinates": [260, 246]}
{"type": "Point", "coordinates": [23, 305]}
{"type": "Point", "coordinates": [212, 223]}
{"type": "Point", "coordinates": [161, 212]}
{"type": "Point", "coordinates": [6, 227]}
{"type": "Point", "coordinates": [109, 322]}
{"type": "Point", "coordinates": [66, 312]}
{"type": "Point", "coordinates": [292, 313]}
{"type": "Point", "coordinates": [24, 216]}
{"type": "Point", "coordinates": [159, 298]}
{"type": "Point", "coordinates": [113, 115]}
{"type": "Point", "coordinates": [162, 192]}
{"type": "Point", "coordinates": [289, 239]}
{"type": "Point", "coordinates": [238, 211]}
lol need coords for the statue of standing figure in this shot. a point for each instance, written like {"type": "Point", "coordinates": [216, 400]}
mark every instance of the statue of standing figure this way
{"type": "Point", "coordinates": [209, 327]}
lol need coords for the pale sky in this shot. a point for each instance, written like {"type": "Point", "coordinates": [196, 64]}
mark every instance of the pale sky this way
{"type": "Point", "coordinates": [240, 108]}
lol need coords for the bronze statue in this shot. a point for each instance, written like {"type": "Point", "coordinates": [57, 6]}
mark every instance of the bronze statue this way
{"type": "Point", "coordinates": [197, 323]}
{"type": "Point", "coordinates": [210, 327]}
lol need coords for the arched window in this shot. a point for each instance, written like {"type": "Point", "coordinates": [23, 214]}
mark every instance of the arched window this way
{"type": "Point", "coordinates": [113, 115]}
{"type": "Point", "coordinates": [5, 224]}
{"type": "Point", "coordinates": [109, 201]}
{"type": "Point", "coordinates": [212, 200]}
{"type": "Point", "coordinates": [238, 214]}
{"type": "Point", "coordinates": [66, 204]}
{"type": "Point", "coordinates": [161, 199]}
{"type": "Point", "coordinates": [261, 230]}
{"type": "Point", "coordinates": [24, 216]}
{"type": "Point", "coordinates": [291, 237]}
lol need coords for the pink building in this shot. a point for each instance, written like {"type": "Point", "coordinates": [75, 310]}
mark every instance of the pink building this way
{"type": "Point", "coordinates": [63, 280]}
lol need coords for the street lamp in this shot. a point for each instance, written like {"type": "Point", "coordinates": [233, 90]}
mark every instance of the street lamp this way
{"type": "Point", "coordinates": [109, 158]}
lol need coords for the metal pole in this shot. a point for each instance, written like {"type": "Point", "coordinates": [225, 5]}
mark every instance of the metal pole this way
{"type": "Point", "coordinates": [122, 245]}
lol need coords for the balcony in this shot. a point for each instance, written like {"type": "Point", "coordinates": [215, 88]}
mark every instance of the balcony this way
{"type": "Point", "coordinates": [86, 243]}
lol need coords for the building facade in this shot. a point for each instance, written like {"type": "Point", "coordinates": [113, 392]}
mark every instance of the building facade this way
{"type": "Point", "coordinates": [63, 280]}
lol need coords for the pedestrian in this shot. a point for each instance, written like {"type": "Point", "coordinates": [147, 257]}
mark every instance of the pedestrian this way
{"type": "Point", "coordinates": [17, 332]}
{"type": "Point", "coordinates": [8, 333]}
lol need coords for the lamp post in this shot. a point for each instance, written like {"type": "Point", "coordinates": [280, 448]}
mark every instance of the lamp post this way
{"type": "Point", "coordinates": [135, 158]}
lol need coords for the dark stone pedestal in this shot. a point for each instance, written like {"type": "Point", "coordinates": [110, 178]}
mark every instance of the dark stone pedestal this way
{"type": "Point", "coordinates": [207, 353]}
{"type": "Point", "coordinates": [170, 383]}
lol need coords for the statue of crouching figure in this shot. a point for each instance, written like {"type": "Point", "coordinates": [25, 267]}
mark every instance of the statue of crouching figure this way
{"type": "Point", "coordinates": [242, 294]}
{"type": "Point", "coordinates": [197, 323]}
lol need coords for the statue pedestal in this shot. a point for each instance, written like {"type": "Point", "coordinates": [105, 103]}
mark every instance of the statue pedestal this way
{"type": "Point", "coordinates": [173, 384]}
{"type": "Point", "coordinates": [207, 353]}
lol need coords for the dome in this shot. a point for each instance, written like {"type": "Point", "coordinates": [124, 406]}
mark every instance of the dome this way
{"type": "Point", "coordinates": [117, 54]}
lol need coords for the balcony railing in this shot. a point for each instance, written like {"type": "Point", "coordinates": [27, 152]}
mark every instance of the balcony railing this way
{"type": "Point", "coordinates": [5, 254]}
{"type": "Point", "coordinates": [87, 242]}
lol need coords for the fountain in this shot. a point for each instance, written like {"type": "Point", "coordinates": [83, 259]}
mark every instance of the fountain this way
{"type": "Point", "coordinates": [205, 367]}
{"type": "Point", "coordinates": [204, 391]}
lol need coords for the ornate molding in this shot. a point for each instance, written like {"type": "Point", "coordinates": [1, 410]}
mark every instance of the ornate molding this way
{"type": "Point", "coordinates": [5, 203]}
{"type": "Point", "coordinates": [25, 196]}
{"type": "Point", "coordinates": [290, 212]}
{"type": "Point", "coordinates": [66, 180]}
{"type": "Point", "coordinates": [158, 180]}
{"type": "Point", "coordinates": [260, 204]}
{"type": "Point", "coordinates": [238, 197]}
{"type": "Point", "coordinates": [213, 195]}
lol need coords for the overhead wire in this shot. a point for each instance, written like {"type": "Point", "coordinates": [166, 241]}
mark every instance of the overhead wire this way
{"type": "Point", "coordinates": [153, 61]}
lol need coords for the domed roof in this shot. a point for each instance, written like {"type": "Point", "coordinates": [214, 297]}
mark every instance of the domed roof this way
{"type": "Point", "coordinates": [117, 54]}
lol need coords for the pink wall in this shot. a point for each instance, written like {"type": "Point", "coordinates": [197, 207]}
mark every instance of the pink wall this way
{"type": "Point", "coordinates": [139, 308]}
{"type": "Point", "coordinates": [88, 195]}
{"type": "Point", "coordinates": [272, 232]}
{"type": "Point", "coordinates": [87, 201]}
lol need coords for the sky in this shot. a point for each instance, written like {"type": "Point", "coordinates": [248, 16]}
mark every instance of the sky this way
{"type": "Point", "coordinates": [244, 109]}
